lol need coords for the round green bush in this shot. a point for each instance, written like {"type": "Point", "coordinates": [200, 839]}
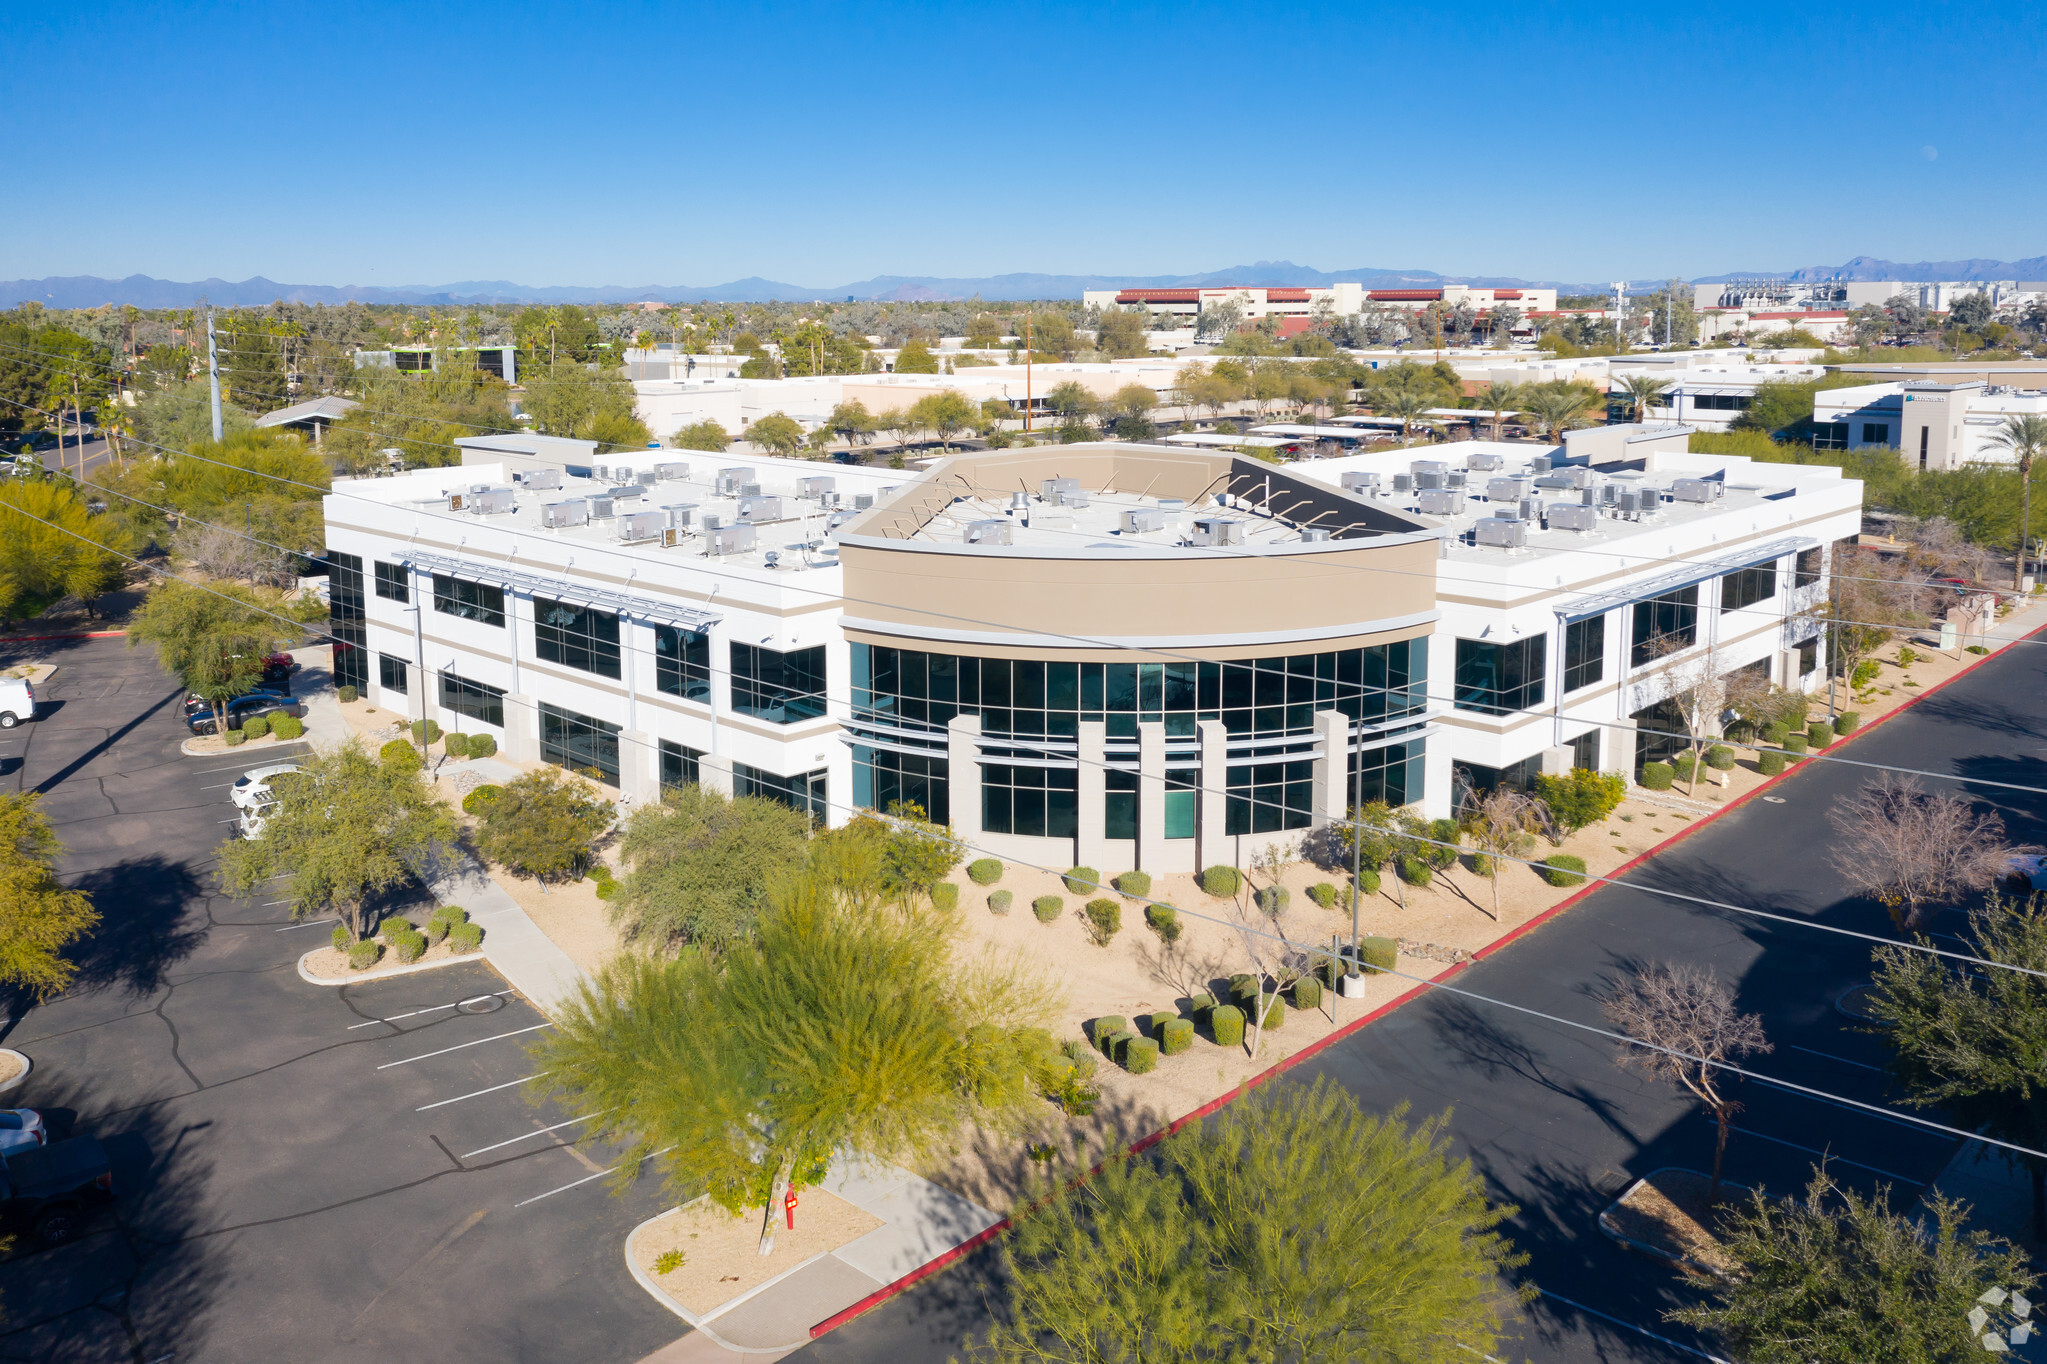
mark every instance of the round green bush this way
{"type": "Point", "coordinates": [1307, 993]}
{"type": "Point", "coordinates": [1774, 732]}
{"type": "Point", "coordinates": [435, 930]}
{"type": "Point", "coordinates": [363, 955]}
{"type": "Point", "coordinates": [395, 926]}
{"type": "Point", "coordinates": [1273, 899]}
{"type": "Point", "coordinates": [1564, 870]}
{"type": "Point", "coordinates": [255, 727]}
{"type": "Point", "coordinates": [1081, 880]}
{"type": "Point", "coordinates": [1275, 1014]}
{"type": "Point", "coordinates": [1681, 766]}
{"type": "Point", "coordinates": [479, 801]}
{"type": "Point", "coordinates": [1658, 776]}
{"type": "Point", "coordinates": [1720, 758]}
{"type": "Point", "coordinates": [465, 937]}
{"type": "Point", "coordinates": [1221, 881]}
{"type": "Point", "coordinates": [1163, 920]}
{"type": "Point", "coordinates": [455, 745]}
{"type": "Point", "coordinates": [1820, 735]}
{"type": "Point", "coordinates": [1415, 871]}
{"type": "Point", "coordinates": [1048, 908]}
{"type": "Point", "coordinates": [1176, 1036]}
{"type": "Point", "coordinates": [426, 731]}
{"type": "Point", "coordinates": [1324, 894]}
{"type": "Point", "coordinates": [608, 887]}
{"type": "Point", "coordinates": [341, 938]}
{"type": "Point", "coordinates": [1797, 742]}
{"type": "Point", "coordinates": [1226, 1025]}
{"type": "Point", "coordinates": [1847, 722]}
{"type": "Point", "coordinates": [345, 693]}
{"type": "Point", "coordinates": [1443, 852]}
{"type": "Point", "coordinates": [1378, 954]}
{"type": "Point", "coordinates": [1140, 1055]}
{"type": "Point", "coordinates": [1368, 881]}
{"type": "Point", "coordinates": [998, 901]}
{"type": "Point", "coordinates": [1136, 884]}
{"type": "Point", "coordinates": [400, 755]}
{"type": "Point", "coordinates": [1200, 1004]}
{"type": "Point", "coordinates": [945, 895]}
{"type": "Point", "coordinates": [482, 745]}
{"type": "Point", "coordinates": [452, 914]}
{"type": "Point", "coordinates": [1770, 762]}
{"type": "Point", "coordinates": [234, 738]}
{"type": "Point", "coordinates": [1104, 920]}
{"type": "Point", "coordinates": [984, 871]}
{"type": "Point", "coordinates": [1107, 1026]}
{"type": "Point", "coordinates": [287, 726]}
{"type": "Point", "coordinates": [409, 947]}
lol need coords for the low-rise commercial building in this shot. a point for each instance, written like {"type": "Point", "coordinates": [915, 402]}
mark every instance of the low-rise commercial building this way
{"type": "Point", "coordinates": [1931, 423]}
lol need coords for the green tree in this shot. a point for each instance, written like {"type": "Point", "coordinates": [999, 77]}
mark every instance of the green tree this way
{"type": "Point", "coordinates": [211, 639]}
{"type": "Point", "coordinates": [2024, 436]}
{"type": "Point", "coordinates": [700, 865]}
{"type": "Point", "coordinates": [945, 415]}
{"type": "Point", "coordinates": [844, 1025]}
{"type": "Point", "coordinates": [1290, 1227]}
{"type": "Point", "coordinates": [1643, 391]}
{"type": "Point", "coordinates": [1121, 334]}
{"type": "Point", "coordinates": [703, 435]}
{"type": "Point", "coordinates": [1073, 403]}
{"type": "Point", "coordinates": [1560, 406]}
{"type": "Point", "coordinates": [1502, 400]}
{"type": "Point", "coordinates": [916, 358]}
{"type": "Point", "coordinates": [852, 421]}
{"type": "Point", "coordinates": [1835, 1278]}
{"type": "Point", "coordinates": [544, 825]}
{"type": "Point", "coordinates": [39, 915]}
{"type": "Point", "coordinates": [1971, 1042]}
{"type": "Point", "coordinates": [776, 433]}
{"type": "Point", "coordinates": [1405, 391]}
{"type": "Point", "coordinates": [1129, 410]}
{"type": "Point", "coordinates": [586, 403]}
{"type": "Point", "coordinates": [51, 545]}
{"type": "Point", "coordinates": [984, 332]}
{"type": "Point", "coordinates": [1053, 334]}
{"type": "Point", "coordinates": [346, 831]}
{"type": "Point", "coordinates": [180, 416]}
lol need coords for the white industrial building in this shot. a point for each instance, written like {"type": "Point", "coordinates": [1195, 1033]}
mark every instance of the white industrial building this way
{"type": "Point", "coordinates": [1254, 302]}
{"type": "Point", "coordinates": [1931, 423]}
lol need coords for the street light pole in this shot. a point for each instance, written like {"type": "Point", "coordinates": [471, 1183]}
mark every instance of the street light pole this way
{"type": "Point", "coordinates": [213, 374]}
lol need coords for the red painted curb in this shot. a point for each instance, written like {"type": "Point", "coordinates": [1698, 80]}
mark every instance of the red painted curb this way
{"type": "Point", "coordinates": [1216, 1105]}
{"type": "Point", "coordinates": [33, 639]}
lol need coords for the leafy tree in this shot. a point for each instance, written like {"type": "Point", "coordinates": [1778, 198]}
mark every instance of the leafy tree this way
{"type": "Point", "coordinates": [1969, 1041]}
{"type": "Point", "coordinates": [703, 435]}
{"type": "Point", "coordinates": [1973, 311]}
{"type": "Point", "coordinates": [1579, 797]}
{"type": "Point", "coordinates": [1502, 400]}
{"type": "Point", "coordinates": [1560, 406]}
{"type": "Point", "coordinates": [945, 415]}
{"type": "Point", "coordinates": [984, 332]}
{"type": "Point", "coordinates": [1073, 402]}
{"type": "Point", "coordinates": [1291, 1227]}
{"type": "Point", "coordinates": [52, 545]}
{"type": "Point", "coordinates": [180, 416]}
{"type": "Point", "coordinates": [1644, 392]}
{"type": "Point", "coordinates": [844, 1025]}
{"type": "Point", "coordinates": [551, 336]}
{"type": "Point", "coordinates": [916, 358]}
{"type": "Point", "coordinates": [2024, 437]}
{"type": "Point", "coordinates": [1121, 333]}
{"type": "Point", "coordinates": [776, 433]}
{"type": "Point", "coordinates": [211, 639]}
{"type": "Point", "coordinates": [701, 864]}
{"type": "Point", "coordinates": [1406, 391]}
{"type": "Point", "coordinates": [543, 825]}
{"type": "Point", "coordinates": [586, 403]}
{"type": "Point", "coordinates": [39, 916]}
{"type": "Point", "coordinates": [1053, 334]}
{"type": "Point", "coordinates": [347, 830]}
{"type": "Point", "coordinates": [917, 854]}
{"type": "Point", "coordinates": [852, 421]}
{"type": "Point", "coordinates": [421, 414]}
{"type": "Point", "coordinates": [1129, 410]}
{"type": "Point", "coordinates": [1912, 849]}
{"type": "Point", "coordinates": [1835, 1278]}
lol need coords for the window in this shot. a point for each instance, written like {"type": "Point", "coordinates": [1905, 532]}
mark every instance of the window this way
{"type": "Point", "coordinates": [1584, 652]}
{"type": "Point", "coordinates": [394, 582]}
{"type": "Point", "coordinates": [1267, 797]}
{"type": "Point", "coordinates": [1473, 782]}
{"type": "Point", "coordinates": [580, 743]}
{"type": "Point", "coordinates": [882, 777]}
{"type": "Point", "coordinates": [1830, 435]}
{"type": "Point", "coordinates": [1497, 678]}
{"type": "Point", "coordinates": [804, 791]}
{"type": "Point", "coordinates": [1922, 445]}
{"type": "Point", "coordinates": [1721, 402]}
{"type": "Point", "coordinates": [1806, 571]}
{"type": "Point", "coordinates": [471, 601]}
{"type": "Point", "coordinates": [1665, 624]}
{"type": "Point", "coordinates": [1876, 433]}
{"type": "Point", "coordinates": [1119, 804]}
{"type": "Point", "coordinates": [680, 766]}
{"type": "Point", "coordinates": [575, 636]}
{"type": "Point", "coordinates": [682, 663]}
{"type": "Point", "coordinates": [1808, 656]}
{"type": "Point", "coordinates": [473, 700]}
{"type": "Point", "coordinates": [391, 673]}
{"type": "Point", "coordinates": [1183, 790]}
{"type": "Point", "coordinates": [1392, 773]}
{"type": "Point", "coordinates": [1747, 586]}
{"type": "Point", "coordinates": [782, 688]}
{"type": "Point", "coordinates": [1585, 750]}
{"type": "Point", "coordinates": [1038, 801]}
{"type": "Point", "coordinates": [347, 614]}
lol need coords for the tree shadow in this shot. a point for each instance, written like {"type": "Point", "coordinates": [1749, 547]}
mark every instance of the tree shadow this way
{"type": "Point", "coordinates": [145, 927]}
{"type": "Point", "coordinates": [1479, 1041]}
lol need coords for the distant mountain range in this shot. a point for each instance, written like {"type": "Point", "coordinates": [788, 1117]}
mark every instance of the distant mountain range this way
{"type": "Point", "coordinates": [142, 291]}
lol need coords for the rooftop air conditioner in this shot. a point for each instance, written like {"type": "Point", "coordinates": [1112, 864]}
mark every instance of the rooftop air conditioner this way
{"type": "Point", "coordinates": [1073, 497]}
{"type": "Point", "coordinates": [1456, 478]}
{"type": "Point", "coordinates": [1500, 533]}
{"type": "Point", "coordinates": [601, 508]}
{"type": "Point", "coordinates": [730, 539]}
{"type": "Point", "coordinates": [1440, 501]}
{"type": "Point", "coordinates": [1143, 519]}
{"type": "Point", "coordinates": [1361, 482]}
{"type": "Point", "coordinates": [1217, 530]}
{"type": "Point", "coordinates": [1540, 464]}
{"type": "Point", "coordinates": [995, 531]}
{"type": "Point", "coordinates": [625, 492]}
{"type": "Point", "coordinates": [1172, 504]}
{"type": "Point", "coordinates": [758, 508]}
{"type": "Point", "coordinates": [574, 512]}
{"type": "Point", "coordinates": [817, 486]}
{"type": "Point", "coordinates": [728, 480]}
{"type": "Point", "coordinates": [837, 519]}
{"type": "Point", "coordinates": [1630, 501]}
{"type": "Point", "coordinates": [862, 501]}
{"type": "Point", "coordinates": [1695, 489]}
{"type": "Point", "coordinates": [1505, 489]}
{"type": "Point", "coordinates": [638, 526]}
{"type": "Point", "coordinates": [679, 514]}
{"type": "Point", "coordinates": [672, 472]}
{"type": "Point", "coordinates": [456, 501]}
{"type": "Point", "coordinates": [1314, 535]}
{"type": "Point", "coordinates": [1402, 482]}
{"type": "Point", "coordinates": [538, 479]}
{"type": "Point", "coordinates": [671, 537]}
{"type": "Point", "coordinates": [601, 473]}
{"type": "Point", "coordinates": [1573, 516]}
{"type": "Point", "coordinates": [747, 490]}
{"type": "Point", "coordinates": [1430, 479]}
{"type": "Point", "coordinates": [496, 502]}
{"type": "Point", "coordinates": [646, 478]}
{"type": "Point", "coordinates": [1483, 463]}
{"type": "Point", "coordinates": [1050, 488]}
{"type": "Point", "coordinates": [1429, 466]}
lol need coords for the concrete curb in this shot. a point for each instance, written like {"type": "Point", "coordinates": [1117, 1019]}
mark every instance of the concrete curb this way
{"type": "Point", "coordinates": [696, 1322]}
{"type": "Point", "coordinates": [385, 973]}
{"type": "Point", "coordinates": [26, 1066]}
{"type": "Point", "coordinates": [254, 745]}
{"type": "Point", "coordinates": [37, 639]}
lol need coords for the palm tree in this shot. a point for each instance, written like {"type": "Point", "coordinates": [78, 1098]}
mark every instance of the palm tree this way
{"type": "Point", "coordinates": [1559, 406]}
{"type": "Point", "coordinates": [1500, 399]}
{"type": "Point", "coordinates": [1405, 393]}
{"type": "Point", "coordinates": [2025, 435]}
{"type": "Point", "coordinates": [1643, 390]}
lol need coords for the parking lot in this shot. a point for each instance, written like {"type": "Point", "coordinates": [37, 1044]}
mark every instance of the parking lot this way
{"type": "Point", "coordinates": [303, 1172]}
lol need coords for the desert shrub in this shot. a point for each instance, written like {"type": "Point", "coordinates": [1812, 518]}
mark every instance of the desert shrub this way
{"type": "Point", "coordinates": [1275, 1014]}
{"type": "Point", "coordinates": [400, 755]}
{"type": "Point", "coordinates": [1907, 656]}
{"type": "Point", "coordinates": [1048, 908]}
{"type": "Point", "coordinates": [1564, 870]}
{"type": "Point", "coordinates": [668, 1261]}
{"type": "Point", "coordinates": [1681, 766]}
{"type": "Point", "coordinates": [1242, 984]}
{"type": "Point", "coordinates": [255, 727]}
{"type": "Point", "coordinates": [394, 927]}
{"type": "Point", "coordinates": [1221, 882]}
{"type": "Point", "coordinates": [1378, 954]}
{"type": "Point", "coordinates": [1134, 883]}
{"type": "Point", "coordinates": [465, 937]}
{"type": "Point", "coordinates": [1158, 1020]}
{"type": "Point", "coordinates": [1176, 1036]}
{"type": "Point", "coordinates": [363, 955]}
{"type": "Point", "coordinates": [1273, 900]}
{"type": "Point", "coordinates": [1416, 872]}
{"type": "Point", "coordinates": [1866, 672]}
{"type": "Point", "coordinates": [287, 726]}
{"type": "Point", "coordinates": [1720, 758]}
{"type": "Point", "coordinates": [1481, 864]}
{"type": "Point", "coordinates": [1104, 920]}
{"type": "Point", "coordinates": [1307, 993]}
{"type": "Point", "coordinates": [1658, 776]}
{"type": "Point", "coordinates": [478, 801]}
{"type": "Point", "coordinates": [482, 745]}
{"type": "Point", "coordinates": [455, 745]}
{"type": "Point", "coordinates": [451, 914]}
{"type": "Point", "coordinates": [1163, 920]}
{"type": "Point", "coordinates": [1442, 853]}
{"type": "Point", "coordinates": [435, 930]}
{"type": "Point", "coordinates": [945, 895]}
{"type": "Point", "coordinates": [1820, 735]}
{"type": "Point", "coordinates": [1797, 742]}
{"type": "Point", "coordinates": [1580, 797]}
{"type": "Point", "coordinates": [409, 946]}
{"type": "Point", "coordinates": [1107, 1026]}
{"type": "Point", "coordinates": [1368, 881]}
{"type": "Point", "coordinates": [345, 693]}
{"type": "Point", "coordinates": [985, 871]}
{"type": "Point", "coordinates": [234, 738]}
{"type": "Point", "coordinates": [1226, 1025]}
{"type": "Point", "coordinates": [1847, 722]}
{"type": "Point", "coordinates": [1081, 1053]}
{"type": "Point", "coordinates": [1977, 649]}
{"type": "Point", "coordinates": [426, 731]}
{"type": "Point", "coordinates": [1323, 894]}
{"type": "Point", "coordinates": [998, 901]}
{"type": "Point", "coordinates": [1081, 880]}
{"type": "Point", "coordinates": [543, 825]}
{"type": "Point", "coordinates": [1140, 1055]}
{"type": "Point", "coordinates": [1770, 762]}
{"type": "Point", "coordinates": [341, 938]}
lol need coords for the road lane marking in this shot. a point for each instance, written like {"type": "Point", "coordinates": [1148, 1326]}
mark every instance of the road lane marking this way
{"type": "Point", "coordinates": [434, 1008]}
{"type": "Point", "coordinates": [460, 1045]}
{"type": "Point", "coordinates": [538, 1132]}
{"type": "Point", "coordinates": [1859, 1065]}
{"type": "Point", "coordinates": [1823, 1155]}
{"type": "Point", "coordinates": [477, 1094]}
{"type": "Point", "coordinates": [1665, 1340]}
{"type": "Point", "coordinates": [643, 1160]}
{"type": "Point", "coordinates": [310, 923]}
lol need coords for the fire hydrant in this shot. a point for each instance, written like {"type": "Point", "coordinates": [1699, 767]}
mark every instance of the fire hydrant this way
{"type": "Point", "coordinates": [789, 1206]}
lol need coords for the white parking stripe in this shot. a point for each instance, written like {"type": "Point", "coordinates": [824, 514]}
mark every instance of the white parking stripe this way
{"type": "Point", "coordinates": [459, 1046]}
{"type": "Point", "coordinates": [310, 923]}
{"type": "Point", "coordinates": [538, 1132]}
{"type": "Point", "coordinates": [1859, 1065]}
{"type": "Point", "coordinates": [587, 1178]}
{"type": "Point", "coordinates": [441, 1103]}
{"type": "Point", "coordinates": [433, 1009]}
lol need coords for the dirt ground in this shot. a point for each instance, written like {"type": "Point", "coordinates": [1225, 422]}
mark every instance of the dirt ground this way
{"type": "Point", "coordinates": [719, 1259]}
{"type": "Point", "coordinates": [1668, 1210]}
{"type": "Point", "coordinates": [10, 1066]}
{"type": "Point", "coordinates": [328, 963]}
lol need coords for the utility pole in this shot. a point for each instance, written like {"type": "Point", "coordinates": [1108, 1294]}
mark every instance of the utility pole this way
{"type": "Point", "coordinates": [1620, 312]}
{"type": "Point", "coordinates": [213, 374]}
{"type": "Point", "coordinates": [1028, 400]}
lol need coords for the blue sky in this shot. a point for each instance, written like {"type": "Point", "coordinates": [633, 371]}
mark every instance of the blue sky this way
{"type": "Point", "coordinates": [693, 144]}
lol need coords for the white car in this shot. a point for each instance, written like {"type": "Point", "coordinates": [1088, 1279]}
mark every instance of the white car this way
{"type": "Point", "coordinates": [252, 788]}
{"type": "Point", "coordinates": [21, 1129]}
{"type": "Point", "coordinates": [17, 701]}
{"type": "Point", "coordinates": [249, 824]}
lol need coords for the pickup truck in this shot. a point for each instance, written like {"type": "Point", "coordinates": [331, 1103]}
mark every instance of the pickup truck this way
{"type": "Point", "coordinates": [52, 1188]}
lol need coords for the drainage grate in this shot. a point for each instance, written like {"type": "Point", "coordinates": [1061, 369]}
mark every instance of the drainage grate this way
{"type": "Point", "coordinates": [482, 1004]}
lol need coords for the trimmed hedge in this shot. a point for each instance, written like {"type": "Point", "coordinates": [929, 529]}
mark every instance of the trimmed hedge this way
{"type": "Point", "coordinates": [455, 745]}
{"type": "Point", "coordinates": [426, 731]}
{"type": "Point", "coordinates": [482, 745]}
{"type": "Point", "coordinates": [1176, 1036]}
{"type": "Point", "coordinates": [287, 726]}
{"type": "Point", "coordinates": [1798, 742]}
{"type": "Point", "coordinates": [395, 926]}
{"type": "Point", "coordinates": [1774, 732]}
{"type": "Point", "coordinates": [1681, 766]}
{"type": "Point", "coordinates": [1136, 884]}
{"type": "Point", "coordinates": [409, 946]}
{"type": "Point", "coordinates": [345, 693]}
{"type": "Point", "coordinates": [1048, 908]}
{"type": "Point", "coordinates": [465, 937]}
{"type": "Point", "coordinates": [1241, 983]}
{"type": "Point", "coordinates": [1847, 722]}
{"type": "Point", "coordinates": [1378, 953]}
{"type": "Point", "coordinates": [1564, 869]}
{"type": "Point", "coordinates": [1199, 1005]}
{"type": "Point", "coordinates": [1158, 1020]}
{"type": "Point", "coordinates": [1820, 734]}
{"type": "Point", "coordinates": [1104, 920]}
{"type": "Point", "coordinates": [1273, 899]}
{"type": "Point", "coordinates": [341, 938]}
{"type": "Point", "coordinates": [998, 901]}
{"type": "Point", "coordinates": [1307, 993]}
{"type": "Point", "coordinates": [1720, 758]}
{"type": "Point", "coordinates": [1081, 880]}
{"type": "Point", "coordinates": [400, 754]}
{"type": "Point", "coordinates": [435, 930]}
{"type": "Point", "coordinates": [1102, 1029]}
{"type": "Point", "coordinates": [363, 955]}
{"type": "Point", "coordinates": [945, 895]}
{"type": "Point", "coordinates": [234, 738]}
{"type": "Point", "coordinates": [1770, 762]}
{"type": "Point", "coordinates": [1221, 881]}
{"type": "Point", "coordinates": [1163, 920]}
{"type": "Point", "coordinates": [255, 727]}
{"type": "Point", "coordinates": [1140, 1055]}
{"type": "Point", "coordinates": [452, 914]}
{"type": "Point", "coordinates": [1323, 893]}
{"type": "Point", "coordinates": [1275, 1014]}
{"type": "Point", "coordinates": [984, 871]}
{"type": "Point", "coordinates": [1226, 1025]}
{"type": "Point", "coordinates": [1416, 872]}
{"type": "Point", "coordinates": [479, 801]}
{"type": "Point", "coordinates": [1658, 776]}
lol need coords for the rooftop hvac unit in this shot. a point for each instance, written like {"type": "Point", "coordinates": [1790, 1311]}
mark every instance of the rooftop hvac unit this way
{"type": "Point", "coordinates": [1573, 516]}
{"type": "Point", "coordinates": [728, 480]}
{"type": "Point", "coordinates": [1531, 508]}
{"type": "Point", "coordinates": [672, 472]}
{"type": "Point", "coordinates": [1610, 493]}
{"type": "Point", "coordinates": [837, 519]}
{"type": "Point", "coordinates": [1505, 489]}
{"type": "Point", "coordinates": [748, 490]}
{"type": "Point", "coordinates": [1540, 464]}
{"type": "Point", "coordinates": [1314, 535]}
{"type": "Point", "coordinates": [1429, 466]}
{"type": "Point", "coordinates": [646, 478]}
{"type": "Point", "coordinates": [537, 479]}
{"type": "Point", "coordinates": [1456, 478]}
{"type": "Point", "coordinates": [1440, 501]}
{"type": "Point", "coordinates": [1217, 530]}
{"type": "Point", "coordinates": [679, 514]}
{"type": "Point", "coordinates": [817, 486]}
{"type": "Point", "coordinates": [828, 499]}
{"type": "Point", "coordinates": [1073, 497]}
{"type": "Point", "coordinates": [574, 512]}
{"type": "Point", "coordinates": [1589, 496]}
{"type": "Point", "coordinates": [496, 502]}
{"type": "Point", "coordinates": [672, 537]}
{"type": "Point", "coordinates": [1552, 481]}
{"type": "Point", "coordinates": [758, 508]}
{"type": "Point", "coordinates": [1427, 479]}
{"type": "Point", "coordinates": [625, 492]}
{"type": "Point", "coordinates": [730, 539]}
{"type": "Point", "coordinates": [1402, 482]}
{"type": "Point", "coordinates": [1500, 533]}
{"type": "Point", "coordinates": [1143, 519]}
{"type": "Point", "coordinates": [1484, 464]}
{"type": "Point", "coordinates": [456, 501]}
{"type": "Point", "coordinates": [601, 473]}
{"type": "Point", "coordinates": [862, 501]}
{"type": "Point", "coordinates": [1695, 489]}
{"type": "Point", "coordinates": [1052, 487]}
{"type": "Point", "coordinates": [710, 523]}
{"type": "Point", "coordinates": [888, 490]}
{"type": "Point", "coordinates": [995, 531]}
{"type": "Point", "coordinates": [1630, 501]}
{"type": "Point", "coordinates": [601, 508]}
{"type": "Point", "coordinates": [1578, 474]}
{"type": "Point", "coordinates": [638, 526]}
{"type": "Point", "coordinates": [1361, 482]}
{"type": "Point", "coordinates": [1172, 504]}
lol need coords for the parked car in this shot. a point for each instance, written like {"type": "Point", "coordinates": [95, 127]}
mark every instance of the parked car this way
{"type": "Point", "coordinates": [21, 1129]}
{"type": "Point", "coordinates": [249, 823]}
{"type": "Point", "coordinates": [252, 788]}
{"type": "Point", "coordinates": [195, 703]}
{"type": "Point", "coordinates": [53, 1188]}
{"type": "Point", "coordinates": [243, 708]}
{"type": "Point", "coordinates": [17, 701]}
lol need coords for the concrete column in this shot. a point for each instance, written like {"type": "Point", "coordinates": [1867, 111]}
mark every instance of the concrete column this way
{"type": "Point", "coordinates": [1090, 849]}
{"type": "Point", "coordinates": [1151, 797]}
{"type": "Point", "coordinates": [715, 772]}
{"type": "Point", "coordinates": [1213, 803]}
{"type": "Point", "coordinates": [639, 767]}
{"type": "Point", "coordinates": [1556, 760]}
{"type": "Point", "coordinates": [1620, 750]}
{"type": "Point", "coordinates": [522, 729]}
{"type": "Point", "coordinates": [963, 775]}
{"type": "Point", "coordinates": [1331, 797]}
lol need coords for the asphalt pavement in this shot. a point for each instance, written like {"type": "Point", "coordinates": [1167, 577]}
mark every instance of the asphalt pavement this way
{"type": "Point", "coordinates": [1557, 1128]}
{"type": "Point", "coordinates": [304, 1172]}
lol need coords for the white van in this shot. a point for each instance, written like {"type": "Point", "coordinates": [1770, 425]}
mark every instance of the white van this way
{"type": "Point", "coordinates": [17, 701]}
